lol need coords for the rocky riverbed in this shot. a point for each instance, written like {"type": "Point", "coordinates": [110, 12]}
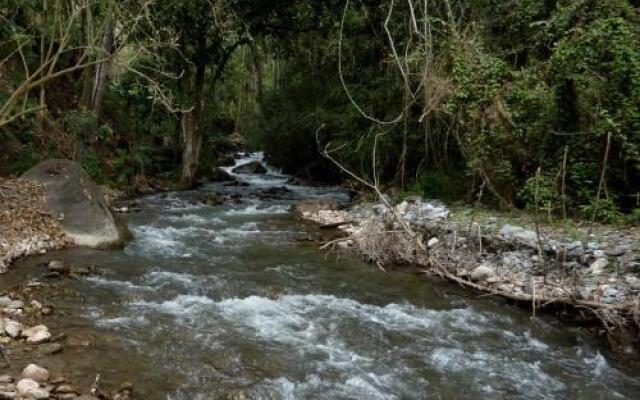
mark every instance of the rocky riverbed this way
{"type": "Point", "coordinates": [596, 269]}
{"type": "Point", "coordinates": [25, 337]}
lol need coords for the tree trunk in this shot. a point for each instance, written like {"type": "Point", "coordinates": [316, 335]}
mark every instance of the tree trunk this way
{"type": "Point", "coordinates": [87, 73]}
{"type": "Point", "coordinates": [43, 94]}
{"type": "Point", "coordinates": [191, 135]}
{"type": "Point", "coordinates": [256, 71]}
{"type": "Point", "coordinates": [102, 69]}
{"type": "Point", "coordinates": [191, 149]}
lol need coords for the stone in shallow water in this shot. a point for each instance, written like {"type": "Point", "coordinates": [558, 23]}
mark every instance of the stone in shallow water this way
{"type": "Point", "coordinates": [36, 373]}
{"type": "Point", "coordinates": [50, 348]}
{"type": "Point", "coordinates": [12, 328]}
{"type": "Point", "coordinates": [31, 389]}
{"type": "Point", "coordinates": [34, 330]}
{"type": "Point", "coordinates": [15, 304]}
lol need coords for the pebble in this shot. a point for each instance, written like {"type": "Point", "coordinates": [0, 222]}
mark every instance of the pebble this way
{"type": "Point", "coordinates": [432, 242]}
{"type": "Point", "coordinates": [36, 373]}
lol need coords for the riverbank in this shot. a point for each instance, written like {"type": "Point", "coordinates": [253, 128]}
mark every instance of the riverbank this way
{"type": "Point", "coordinates": [27, 226]}
{"type": "Point", "coordinates": [586, 274]}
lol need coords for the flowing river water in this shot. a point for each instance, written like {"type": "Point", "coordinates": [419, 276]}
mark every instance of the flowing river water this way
{"type": "Point", "coordinates": [227, 302]}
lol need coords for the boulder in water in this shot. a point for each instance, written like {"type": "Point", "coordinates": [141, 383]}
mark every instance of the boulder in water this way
{"type": "Point", "coordinates": [221, 175]}
{"type": "Point", "coordinates": [78, 203]}
{"type": "Point", "coordinates": [253, 167]}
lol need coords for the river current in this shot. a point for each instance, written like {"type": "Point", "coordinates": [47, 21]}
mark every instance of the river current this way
{"type": "Point", "coordinates": [228, 302]}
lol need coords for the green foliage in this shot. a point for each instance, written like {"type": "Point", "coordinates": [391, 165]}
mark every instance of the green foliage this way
{"type": "Point", "coordinates": [605, 210]}
{"type": "Point", "coordinates": [541, 191]}
{"type": "Point", "coordinates": [441, 185]}
{"type": "Point", "coordinates": [91, 164]}
{"type": "Point", "coordinates": [634, 217]}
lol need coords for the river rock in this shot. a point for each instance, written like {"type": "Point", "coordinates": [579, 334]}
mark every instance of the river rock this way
{"type": "Point", "coordinates": [15, 305]}
{"type": "Point", "coordinates": [31, 389]}
{"type": "Point", "coordinates": [78, 203]}
{"type": "Point", "coordinates": [66, 389]}
{"type": "Point", "coordinates": [50, 348]}
{"type": "Point", "coordinates": [57, 266]}
{"type": "Point", "coordinates": [313, 206]}
{"type": "Point", "coordinates": [482, 273]}
{"type": "Point", "coordinates": [221, 175]}
{"type": "Point", "coordinates": [597, 267]}
{"type": "Point", "coordinates": [509, 231]}
{"type": "Point", "coordinates": [34, 330]}
{"type": "Point", "coordinates": [617, 251]}
{"type": "Point", "coordinates": [253, 167]}
{"type": "Point", "coordinates": [12, 328]}
{"type": "Point", "coordinates": [5, 301]}
{"type": "Point", "coordinates": [212, 199]}
{"type": "Point", "coordinates": [35, 372]}
{"type": "Point", "coordinates": [39, 337]}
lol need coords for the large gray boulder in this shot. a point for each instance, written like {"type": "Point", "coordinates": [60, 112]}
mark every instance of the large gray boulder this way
{"type": "Point", "coordinates": [78, 203]}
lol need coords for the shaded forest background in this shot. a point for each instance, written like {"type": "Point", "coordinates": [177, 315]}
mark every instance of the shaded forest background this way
{"type": "Point", "coordinates": [513, 103]}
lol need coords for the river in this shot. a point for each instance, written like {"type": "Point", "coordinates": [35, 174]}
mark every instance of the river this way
{"type": "Point", "coordinates": [228, 302]}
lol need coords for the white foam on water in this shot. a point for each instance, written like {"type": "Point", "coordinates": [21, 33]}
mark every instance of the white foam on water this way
{"type": "Point", "coordinates": [482, 366]}
{"type": "Point", "coordinates": [159, 277]}
{"type": "Point", "coordinates": [124, 285]}
{"type": "Point", "coordinates": [166, 241]}
{"type": "Point", "coordinates": [195, 219]}
{"type": "Point", "coordinates": [122, 322]}
{"type": "Point", "coordinates": [182, 305]}
{"type": "Point", "coordinates": [255, 209]}
{"type": "Point", "coordinates": [597, 363]}
{"type": "Point", "coordinates": [535, 343]}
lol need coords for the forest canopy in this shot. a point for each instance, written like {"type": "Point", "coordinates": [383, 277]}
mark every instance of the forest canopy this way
{"type": "Point", "coordinates": [513, 103]}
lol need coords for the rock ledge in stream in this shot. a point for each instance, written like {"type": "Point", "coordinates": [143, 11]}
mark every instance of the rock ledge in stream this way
{"type": "Point", "coordinates": [78, 203]}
